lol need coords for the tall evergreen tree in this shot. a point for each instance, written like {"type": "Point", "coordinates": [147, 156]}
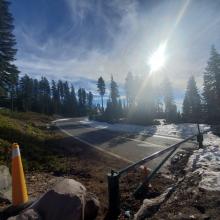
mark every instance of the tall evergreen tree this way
{"type": "Point", "coordinates": [67, 102]}
{"type": "Point", "coordinates": [120, 108]}
{"type": "Point", "coordinates": [74, 101]}
{"type": "Point", "coordinates": [101, 89]}
{"type": "Point", "coordinates": [90, 99]}
{"type": "Point", "coordinates": [112, 108]}
{"type": "Point", "coordinates": [25, 92]}
{"type": "Point", "coordinates": [129, 88]}
{"type": "Point", "coordinates": [211, 92]}
{"type": "Point", "coordinates": [186, 108]}
{"type": "Point", "coordinates": [55, 98]}
{"type": "Point", "coordinates": [82, 101]}
{"type": "Point", "coordinates": [8, 71]}
{"type": "Point", "coordinates": [35, 96]}
{"type": "Point", "coordinates": [60, 89]}
{"type": "Point", "coordinates": [44, 96]}
{"type": "Point", "coordinates": [170, 106]}
{"type": "Point", "coordinates": [192, 102]}
{"type": "Point", "coordinates": [114, 93]}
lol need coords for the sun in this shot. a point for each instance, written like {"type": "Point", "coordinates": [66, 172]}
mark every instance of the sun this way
{"type": "Point", "coordinates": [157, 59]}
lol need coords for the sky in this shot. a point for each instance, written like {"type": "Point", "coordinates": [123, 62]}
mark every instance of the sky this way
{"type": "Point", "coordinates": [80, 40]}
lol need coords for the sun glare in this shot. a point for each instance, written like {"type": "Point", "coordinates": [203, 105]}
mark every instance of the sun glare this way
{"type": "Point", "coordinates": [157, 59]}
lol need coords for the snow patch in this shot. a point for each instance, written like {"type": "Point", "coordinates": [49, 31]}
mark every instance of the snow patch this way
{"type": "Point", "coordinates": [62, 119]}
{"type": "Point", "coordinates": [175, 130]}
{"type": "Point", "coordinates": [206, 162]}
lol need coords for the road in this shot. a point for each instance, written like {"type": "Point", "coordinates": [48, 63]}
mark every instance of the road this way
{"type": "Point", "coordinates": [126, 146]}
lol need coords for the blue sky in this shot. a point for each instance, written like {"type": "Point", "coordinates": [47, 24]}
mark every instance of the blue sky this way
{"type": "Point", "coordinates": [79, 40]}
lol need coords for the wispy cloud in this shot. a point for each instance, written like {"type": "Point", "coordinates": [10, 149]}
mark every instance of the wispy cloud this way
{"type": "Point", "coordinates": [115, 37]}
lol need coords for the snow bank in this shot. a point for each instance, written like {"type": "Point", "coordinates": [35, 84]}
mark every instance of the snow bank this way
{"type": "Point", "coordinates": [176, 130]}
{"type": "Point", "coordinates": [206, 162]}
{"type": "Point", "coordinates": [61, 119]}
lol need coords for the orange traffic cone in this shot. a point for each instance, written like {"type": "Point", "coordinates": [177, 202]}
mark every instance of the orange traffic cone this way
{"type": "Point", "coordinates": [19, 189]}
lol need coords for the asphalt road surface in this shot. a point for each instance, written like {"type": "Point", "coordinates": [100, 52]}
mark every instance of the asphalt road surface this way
{"type": "Point", "coordinates": [126, 146]}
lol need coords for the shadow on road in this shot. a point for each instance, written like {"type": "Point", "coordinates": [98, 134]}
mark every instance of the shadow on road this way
{"type": "Point", "coordinates": [101, 136]}
{"type": "Point", "coordinates": [73, 126]}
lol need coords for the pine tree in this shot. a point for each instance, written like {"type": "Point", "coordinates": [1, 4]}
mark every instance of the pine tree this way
{"type": "Point", "coordinates": [101, 89]}
{"type": "Point", "coordinates": [73, 101]}
{"type": "Point", "coordinates": [129, 88]}
{"type": "Point", "coordinates": [120, 108]}
{"type": "Point", "coordinates": [44, 96]}
{"type": "Point", "coordinates": [67, 102]}
{"type": "Point", "coordinates": [89, 99]}
{"type": "Point", "coordinates": [114, 93]}
{"type": "Point", "coordinates": [113, 106]}
{"type": "Point", "coordinates": [186, 107]}
{"type": "Point", "coordinates": [170, 106]}
{"type": "Point", "coordinates": [8, 71]}
{"type": "Point", "coordinates": [192, 102]}
{"type": "Point", "coordinates": [60, 90]}
{"type": "Point", "coordinates": [25, 91]}
{"type": "Point", "coordinates": [35, 96]}
{"type": "Point", "coordinates": [55, 97]}
{"type": "Point", "coordinates": [159, 108]}
{"type": "Point", "coordinates": [82, 101]}
{"type": "Point", "coordinates": [211, 92]}
{"type": "Point", "coordinates": [108, 114]}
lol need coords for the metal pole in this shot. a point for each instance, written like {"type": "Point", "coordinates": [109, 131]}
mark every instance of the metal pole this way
{"type": "Point", "coordinates": [199, 137]}
{"type": "Point", "coordinates": [114, 194]}
{"type": "Point", "coordinates": [199, 131]}
{"type": "Point", "coordinates": [152, 174]}
{"type": "Point", "coordinates": [153, 156]}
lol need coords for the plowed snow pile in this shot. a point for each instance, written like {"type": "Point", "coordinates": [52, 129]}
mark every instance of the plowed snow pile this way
{"type": "Point", "coordinates": [206, 162]}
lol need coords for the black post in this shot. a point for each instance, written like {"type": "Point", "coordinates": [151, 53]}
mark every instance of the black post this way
{"type": "Point", "coordinates": [199, 137]}
{"type": "Point", "coordinates": [114, 194]}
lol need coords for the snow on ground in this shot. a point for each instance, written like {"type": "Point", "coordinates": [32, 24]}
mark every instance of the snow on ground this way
{"type": "Point", "coordinates": [206, 162]}
{"type": "Point", "coordinates": [61, 119]}
{"type": "Point", "coordinates": [175, 130]}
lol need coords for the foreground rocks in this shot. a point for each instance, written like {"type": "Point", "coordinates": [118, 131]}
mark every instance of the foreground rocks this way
{"type": "Point", "coordinates": [5, 184]}
{"type": "Point", "coordinates": [150, 206]}
{"type": "Point", "coordinates": [68, 200]}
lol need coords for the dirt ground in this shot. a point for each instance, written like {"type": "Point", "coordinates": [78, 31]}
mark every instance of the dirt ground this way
{"type": "Point", "coordinates": [83, 164]}
{"type": "Point", "coordinates": [90, 167]}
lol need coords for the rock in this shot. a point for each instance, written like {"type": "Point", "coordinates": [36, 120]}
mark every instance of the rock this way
{"type": "Point", "coordinates": [14, 210]}
{"type": "Point", "coordinates": [67, 200]}
{"type": "Point", "coordinates": [5, 184]}
{"type": "Point", "coordinates": [150, 206]}
{"type": "Point", "coordinates": [91, 207]}
{"type": "Point", "coordinates": [29, 214]}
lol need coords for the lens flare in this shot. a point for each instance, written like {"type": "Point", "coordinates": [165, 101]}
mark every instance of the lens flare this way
{"type": "Point", "coordinates": [158, 58]}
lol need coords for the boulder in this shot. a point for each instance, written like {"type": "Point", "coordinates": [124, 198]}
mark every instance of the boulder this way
{"type": "Point", "coordinates": [91, 207]}
{"type": "Point", "coordinates": [150, 206]}
{"type": "Point", "coordinates": [5, 184]}
{"type": "Point", "coordinates": [68, 200]}
{"type": "Point", "coordinates": [29, 214]}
